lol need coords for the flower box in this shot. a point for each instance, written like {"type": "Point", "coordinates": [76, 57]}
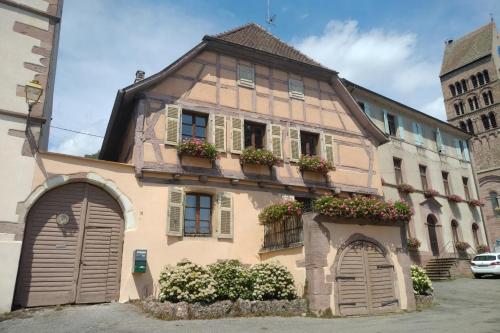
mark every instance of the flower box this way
{"type": "Point", "coordinates": [413, 243]}
{"type": "Point", "coordinates": [454, 198]}
{"type": "Point", "coordinates": [198, 148]}
{"type": "Point", "coordinates": [475, 202]}
{"type": "Point", "coordinates": [462, 246]}
{"type": "Point", "coordinates": [482, 248]}
{"type": "Point", "coordinates": [430, 193]}
{"type": "Point", "coordinates": [258, 157]}
{"type": "Point", "coordinates": [361, 207]}
{"type": "Point", "coordinates": [278, 212]}
{"type": "Point", "coordinates": [405, 188]}
{"type": "Point", "coordinates": [314, 164]}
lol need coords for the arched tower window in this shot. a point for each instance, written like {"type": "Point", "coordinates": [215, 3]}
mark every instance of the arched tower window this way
{"type": "Point", "coordinates": [462, 126]}
{"type": "Point", "coordinates": [486, 99]}
{"type": "Point", "coordinates": [473, 78]}
{"type": "Point", "coordinates": [458, 87]}
{"type": "Point", "coordinates": [493, 121]}
{"type": "Point", "coordinates": [476, 103]}
{"type": "Point", "coordinates": [486, 76]}
{"type": "Point", "coordinates": [486, 122]}
{"type": "Point", "coordinates": [457, 109]}
{"type": "Point", "coordinates": [490, 95]}
{"type": "Point", "coordinates": [470, 128]}
{"type": "Point", "coordinates": [494, 202]}
{"type": "Point", "coordinates": [480, 78]}
{"type": "Point", "coordinates": [461, 106]}
{"type": "Point", "coordinates": [464, 85]}
{"type": "Point", "coordinates": [452, 90]}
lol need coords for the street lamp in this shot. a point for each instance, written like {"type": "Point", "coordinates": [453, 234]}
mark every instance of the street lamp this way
{"type": "Point", "coordinates": [33, 91]}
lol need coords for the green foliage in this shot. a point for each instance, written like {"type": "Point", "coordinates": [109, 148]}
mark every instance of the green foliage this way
{"type": "Point", "coordinates": [187, 282]}
{"type": "Point", "coordinates": [277, 212]}
{"type": "Point", "coordinates": [413, 243]}
{"type": "Point", "coordinates": [198, 148]}
{"type": "Point", "coordinates": [363, 207]}
{"type": "Point", "coordinates": [94, 156]}
{"type": "Point", "coordinates": [422, 285]}
{"type": "Point", "coordinates": [232, 280]}
{"type": "Point", "coordinates": [314, 164]}
{"type": "Point", "coordinates": [272, 281]}
{"type": "Point", "coordinates": [258, 156]}
{"type": "Point", "coordinates": [462, 246]}
{"type": "Point", "coordinates": [482, 248]}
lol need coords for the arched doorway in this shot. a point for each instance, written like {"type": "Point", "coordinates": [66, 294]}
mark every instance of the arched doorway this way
{"type": "Point", "coordinates": [365, 280]}
{"type": "Point", "coordinates": [72, 248]}
{"type": "Point", "coordinates": [431, 229]}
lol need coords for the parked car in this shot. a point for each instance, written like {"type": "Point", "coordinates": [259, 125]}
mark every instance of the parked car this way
{"type": "Point", "coordinates": [485, 263]}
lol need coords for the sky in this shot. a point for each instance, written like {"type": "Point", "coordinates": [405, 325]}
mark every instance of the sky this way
{"type": "Point", "coordinates": [392, 47]}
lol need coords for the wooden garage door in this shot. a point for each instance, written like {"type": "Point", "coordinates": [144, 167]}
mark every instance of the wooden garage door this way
{"type": "Point", "coordinates": [74, 262]}
{"type": "Point", "coordinates": [365, 280]}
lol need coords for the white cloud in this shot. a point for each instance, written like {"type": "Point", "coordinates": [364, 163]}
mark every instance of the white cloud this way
{"type": "Point", "coordinates": [102, 44]}
{"type": "Point", "coordinates": [435, 108]}
{"type": "Point", "coordinates": [387, 62]}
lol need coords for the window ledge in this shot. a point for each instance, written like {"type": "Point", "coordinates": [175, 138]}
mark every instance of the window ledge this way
{"type": "Point", "coordinates": [280, 248]}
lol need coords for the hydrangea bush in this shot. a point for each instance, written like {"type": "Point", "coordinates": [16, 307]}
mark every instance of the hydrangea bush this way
{"type": "Point", "coordinates": [314, 164]}
{"type": "Point", "coordinates": [198, 148]}
{"type": "Point", "coordinates": [259, 157]}
{"type": "Point", "coordinates": [363, 207]}
{"type": "Point", "coordinates": [187, 282]}
{"type": "Point", "coordinates": [232, 279]}
{"type": "Point", "coordinates": [422, 285]}
{"type": "Point", "coordinates": [272, 281]}
{"type": "Point", "coordinates": [279, 211]}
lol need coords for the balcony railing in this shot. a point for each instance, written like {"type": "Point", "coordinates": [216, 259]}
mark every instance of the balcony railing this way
{"type": "Point", "coordinates": [283, 234]}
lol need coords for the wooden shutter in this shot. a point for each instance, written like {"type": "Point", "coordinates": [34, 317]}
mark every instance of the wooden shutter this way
{"type": "Point", "coordinates": [466, 151]}
{"type": "Point", "coordinates": [237, 135]}
{"type": "Point", "coordinates": [172, 124]}
{"type": "Point", "coordinates": [417, 131]}
{"type": "Point", "coordinates": [457, 148]}
{"type": "Point", "coordinates": [246, 76]}
{"type": "Point", "coordinates": [219, 132]}
{"type": "Point", "coordinates": [275, 142]}
{"type": "Point", "coordinates": [439, 141]}
{"type": "Point", "coordinates": [386, 122]}
{"type": "Point", "coordinates": [327, 147]}
{"type": "Point", "coordinates": [296, 89]}
{"type": "Point", "coordinates": [294, 136]}
{"type": "Point", "coordinates": [175, 218]}
{"type": "Point", "coordinates": [401, 128]}
{"type": "Point", "coordinates": [225, 215]}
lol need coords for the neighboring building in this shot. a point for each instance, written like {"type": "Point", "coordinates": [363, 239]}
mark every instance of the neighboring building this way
{"type": "Point", "coordinates": [239, 89]}
{"type": "Point", "coordinates": [29, 33]}
{"type": "Point", "coordinates": [471, 90]}
{"type": "Point", "coordinates": [426, 153]}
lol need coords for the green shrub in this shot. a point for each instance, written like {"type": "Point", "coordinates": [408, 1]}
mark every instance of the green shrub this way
{"type": "Point", "coordinates": [232, 280]}
{"type": "Point", "coordinates": [187, 282]}
{"type": "Point", "coordinates": [277, 212]}
{"type": "Point", "coordinates": [422, 285]}
{"type": "Point", "coordinates": [272, 281]}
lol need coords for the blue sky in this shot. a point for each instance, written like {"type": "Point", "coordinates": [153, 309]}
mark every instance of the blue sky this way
{"type": "Point", "coordinates": [392, 47]}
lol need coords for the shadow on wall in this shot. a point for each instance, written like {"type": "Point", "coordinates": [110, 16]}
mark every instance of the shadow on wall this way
{"type": "Point", "coordinates": [145, 285]}
{"type": "Point", "coordinates": [456, 211]}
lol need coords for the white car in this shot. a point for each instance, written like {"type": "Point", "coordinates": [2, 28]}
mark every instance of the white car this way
{"type": "Point", "coordinates": [485, 263]}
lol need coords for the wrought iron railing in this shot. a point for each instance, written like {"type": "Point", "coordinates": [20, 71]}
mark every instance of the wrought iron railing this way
{"type": "Point", "coordinates": [283, 234]}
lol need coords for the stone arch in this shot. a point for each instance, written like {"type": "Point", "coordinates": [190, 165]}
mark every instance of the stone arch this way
{"type": "Point", "coordinates": [92, 178]}
{"type": "Point", "coordinates": [455, 231]}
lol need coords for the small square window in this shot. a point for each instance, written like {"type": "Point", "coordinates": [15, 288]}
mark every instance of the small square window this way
{"type": "Point", "coordinates": [391, 120]}
{"type": "Point", "coordinates": [255, 134]}
{"type": "Point", "coordinates": [309, 143]}
{"type": "Point", "coordinates": [194, 126]}
{"type": "Point", "coordinates": [296, 89]}
{"type": "Point", "coordinates": [246, 76]}
{"type": "Point", "coordinates": [197, 215]}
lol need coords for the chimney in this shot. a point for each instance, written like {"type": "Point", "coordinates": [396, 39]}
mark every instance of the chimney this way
{"type": "Point", "coordinates": [139, 75]}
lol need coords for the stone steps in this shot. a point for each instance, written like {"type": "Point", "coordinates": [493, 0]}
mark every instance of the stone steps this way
{"type": "Point", "coordinates": [439, 269]}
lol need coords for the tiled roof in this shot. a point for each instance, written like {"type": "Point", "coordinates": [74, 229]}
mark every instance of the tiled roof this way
{"type": "Point", "coordinates": [469, 48]}
{"type": "Point", "coordinates": [254, 36]}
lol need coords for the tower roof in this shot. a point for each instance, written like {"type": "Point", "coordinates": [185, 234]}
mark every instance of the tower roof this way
{"type": "Point", "coordinates": [254, 36]}
{"type": "Point", "coordinates": [469, 48]}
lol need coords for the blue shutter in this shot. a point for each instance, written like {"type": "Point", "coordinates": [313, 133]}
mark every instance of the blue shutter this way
{"type": "Point", "coordinates": [401, 128]}
{"type": "Point", "coordinates": [457, 148]}
{"type": "Point", "coordinates": [386, 122]}
{"type": "Point", "coordinates": [439, 141]}
{"type": "Point", "coordinates": [466, 151]}
{"type": "Point", "coordinates": [417, 131]}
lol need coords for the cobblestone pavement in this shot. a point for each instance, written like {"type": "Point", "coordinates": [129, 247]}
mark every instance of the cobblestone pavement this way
{"type": "Point", "coordinates": [464, 305]}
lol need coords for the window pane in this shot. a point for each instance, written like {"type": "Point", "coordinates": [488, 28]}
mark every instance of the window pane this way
{"type": "Point", "coordinates": [200, 132]}
{"type": "Point", "coordinates": [190, 213]}
{"type": "Point", "coordinates": [187, 119]}
{"type": "Point", "coordinates": [204, 214]}
{"type": "Point", "coordinates": [201, 121]}
{"type": "Point", "coordinates": [204, 227]}
{"type": "Point", "coordinates": [187, 130]}
{"type": "Point", "coordinates": [190, 200]}
{"type": "Point", "coordinates": [189, 226]}
{"type": "Point", "coordinates": [205, 201]}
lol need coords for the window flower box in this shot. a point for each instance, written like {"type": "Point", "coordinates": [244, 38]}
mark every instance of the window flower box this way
{"type": "Point", "coordinates": [198, 148]}
{"type": "Point", "coordinates": [258, 157]}
{"type": "Point", "coordinates": [413, 243]}
{"type": "Point", "coordinates": [462, 246]}
{"type": "Point", "coordinates": [454, 198]}
{"type": "Point", "coordinates": [476, 202]}
{"type": "Point", "coordinates": [430, 193]}
{"type": "Point", "coordinates": [482, 248]}
{"type": "Point", "coordinates": [280, 211]}
{"type": "Point", "coordinates": [361, 207]}
{"type": "Point", "coordinates": [406, 188]}
{"type": "Point", "coordinates": [314, 164]}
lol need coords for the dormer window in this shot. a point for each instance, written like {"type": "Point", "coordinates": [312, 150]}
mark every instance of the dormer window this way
{"type": "Point", "coordinates": [246, 76]}
{"type": "Point", "coordinates": [296, 89]}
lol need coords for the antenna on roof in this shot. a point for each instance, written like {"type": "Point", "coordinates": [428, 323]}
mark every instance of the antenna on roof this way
{"type": "Point", "coordinates": [492, 19]}
{"type": "Point", "coordinates": [270, 18]}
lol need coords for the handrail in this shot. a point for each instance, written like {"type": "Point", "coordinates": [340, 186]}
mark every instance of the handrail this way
{"type": "Point", "coordinates": [441, 250]}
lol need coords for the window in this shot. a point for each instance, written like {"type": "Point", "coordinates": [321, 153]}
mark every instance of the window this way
{"type": "Point", "coordinates": [493, 121]}
{"type": "Point", "coordinates": [423, 177]}
{"type": "Point", "coordinates": [473, 78]}
{"type": "Point", "coordinates": [461, 106]}
{"type": "Point", "coordinates": [486, 76]}
{"type": "Point", "coordinates": [309, 143]}
{"type": "Point", "coordinates": [307, 204]}
{"type": "Point", "coordinates": [480, 78]}
{"type": "Point", "coordinates": [194, 126]}
{"type": "Point", "coordinates": [284, 233]}
{"type": "Point", "coordinates": [246, 76]}
{"type": "Point", "coordinates": [198, 214]}
{"type": "Point", "coordinates": [296, 89]}
{"type": "Point", "coordinates": [458, 87]}
{"type": "Point", "coordinates": [457, 109]}
{"type": "Point", "coordinates": [475, 234]}
{"type": "Point", "coordinates": [462, 126]}
{"type": "Point", "coordinates": [486, 122]}
{"type": "Point", "coordinates": [452, 90]}
{"type": "Point", "coordinates": [446, 183]}
{"type": "Point", "coordinates": [464, 85]}
{"type": "Point", "coordinates": [397, 170]}
{"type": "Point", "coordinates": [454, 230]}
{"type": "Point", "coordinates": [361, 105]}
{"type": "Point", "coordinates": [254, 135]}
{"type": "Point", "coordinates": [490, 95]}
{"type": "Point", "coordinates": [473, 103]}
{"type": "Point", "coordinates": [494, 203]}
{"type": "Point", "coordinates": [470, 128]}
{"type": "Point", "coordinates": [391, 121]}
{"type": "Point", "coordinates": [465, 181]}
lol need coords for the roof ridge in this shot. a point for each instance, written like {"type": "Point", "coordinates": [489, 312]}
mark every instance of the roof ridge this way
{"type": "Point", "coordinates": [233, 30]}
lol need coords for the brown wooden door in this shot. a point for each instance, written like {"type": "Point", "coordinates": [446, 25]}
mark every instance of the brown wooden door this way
{"type": "Point", "coordinates": [431, 229]}
{"type": "Point", "coordinates": [365, 281]}
{"type": "Point", "coordinates": [73, 262]}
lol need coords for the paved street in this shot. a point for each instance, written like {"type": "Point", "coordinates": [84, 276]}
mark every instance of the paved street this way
{"type": "Point", "coordinates": [465, 305]}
